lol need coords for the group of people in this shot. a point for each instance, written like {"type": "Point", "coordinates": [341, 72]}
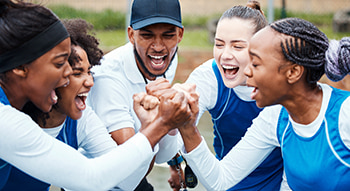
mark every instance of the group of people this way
{"type": "Point", "coordinates": [80, 120]}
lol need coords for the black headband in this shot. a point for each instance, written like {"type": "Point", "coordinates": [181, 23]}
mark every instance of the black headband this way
{"type": "Point", "coordinates": [34, 48]}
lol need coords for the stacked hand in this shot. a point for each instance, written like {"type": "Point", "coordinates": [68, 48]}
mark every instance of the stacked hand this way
{"type": "Point", "coordinates": [163, 108]}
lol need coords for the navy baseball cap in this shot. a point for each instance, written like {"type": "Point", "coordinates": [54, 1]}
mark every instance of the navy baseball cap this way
{"type": "Point", "coordinates": [148, 12]}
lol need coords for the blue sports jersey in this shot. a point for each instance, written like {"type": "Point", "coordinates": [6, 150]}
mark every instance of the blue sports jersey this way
{"type": "Point", "coordinates": [5, 168]}
{"type": "Point", "coordinates": [12, 178]}
{"type": "Point", "coordinates": [231, 117]}
{"type": "Point", "coordinates": [320, 162]}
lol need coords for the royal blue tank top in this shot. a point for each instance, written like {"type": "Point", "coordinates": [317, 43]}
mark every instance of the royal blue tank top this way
{"type": "Point", "coordinates": [320, 162]}
{"type": "Point", "coordinates": [231, 117]}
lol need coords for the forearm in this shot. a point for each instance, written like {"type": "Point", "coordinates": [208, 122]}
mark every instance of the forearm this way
{"type": "Point", "coordinates": [155, 131]}
{"type": "Point", "coordinates": [191, 137]}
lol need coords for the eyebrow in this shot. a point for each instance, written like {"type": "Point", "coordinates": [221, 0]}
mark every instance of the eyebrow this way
{"type": "Point", "coordinates": [168, 31]}
{"type": "Point", "coordinates": [232, 41]}
{"type": "Point", "coordinates": [61, 55]}
{"type": "Point", "coordinates": [254, 54]}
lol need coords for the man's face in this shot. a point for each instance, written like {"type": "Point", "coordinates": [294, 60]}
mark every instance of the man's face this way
{"type": "Point", "coordinates": [155, 45]}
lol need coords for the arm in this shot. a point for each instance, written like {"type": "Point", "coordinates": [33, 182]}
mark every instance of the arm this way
{"type": "Point", "coordinates": [254, 147]}
{"type": "Point", "coordinates": [26, 146]}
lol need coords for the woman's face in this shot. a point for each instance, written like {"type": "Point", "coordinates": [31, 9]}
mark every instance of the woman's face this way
{"type": "Point", "coordinates": [72, 98]}
{"type": "Point", "coordinates": [231, 50]}
{"type": "Point", "coordinates": [265, 72]}
{"type": "Point", "coordinates": [47, 73]}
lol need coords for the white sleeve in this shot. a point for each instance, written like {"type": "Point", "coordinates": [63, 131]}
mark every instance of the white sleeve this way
{"type": "Point", "coordinates": [206, 85]}
{"type": "Point", "coordinates": [258, 142]}
{"type": "Point", "coordinates": [24, 145]}
{"type": "Point", "coordinates": [167, 148]}
{"type": "Point", "coordinates": [111, 100]}
{"type": "Point", "coordinates": [92, 134]}
{"type": "Point", "coordinates": [344, 125]}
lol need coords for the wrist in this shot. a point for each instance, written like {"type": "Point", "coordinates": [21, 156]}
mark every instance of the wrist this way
{"type": "Point", "coordinates": [175, 160]}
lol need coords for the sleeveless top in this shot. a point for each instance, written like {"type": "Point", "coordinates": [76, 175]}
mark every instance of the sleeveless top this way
{"type": "Point", "coordinates": [12, 178]}
{"type": "Point", "coordinates": [320, 162]}
{"type": "Point", "coordinates": [231, 117]}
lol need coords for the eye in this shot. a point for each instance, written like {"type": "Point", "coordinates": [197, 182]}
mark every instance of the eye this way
{"type": "Point", "coordinates": [77, 74]}
{"type": "Point", "coordinates": [168, 36]}
{"type": "Point", "coordinates": [218, 45]}
{"type": "Point", "coordinates": [147, 35]}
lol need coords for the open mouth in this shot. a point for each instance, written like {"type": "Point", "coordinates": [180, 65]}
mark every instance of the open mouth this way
{"type": "Point", "coordinates": [230, 71]}
{"type": "Point", "coordinates": [254, 93]}
{"type": "Point", "coordinates": [54, 97]}
{"type": "Point", "coordinates": [80, 101]}
{"type": "Point", "coordinates": [157, 61]}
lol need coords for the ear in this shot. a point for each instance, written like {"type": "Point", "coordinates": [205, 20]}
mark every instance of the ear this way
{"type": "Point", "coordinates": [295, 73]}
{"type": "Point", "coordinates": [181, 34]}
{"type": "Point", "coordinates": [131, 32]}
{"type": "Point", "coordinates": [21, 71]}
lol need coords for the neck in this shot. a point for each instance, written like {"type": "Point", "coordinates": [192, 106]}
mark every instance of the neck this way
{"type": "Point", "coordinates": [55, 119]}
{"type": "Point", "coordinates": [305, 105]}
{"type": "Point", "coordinates": [14, 94]}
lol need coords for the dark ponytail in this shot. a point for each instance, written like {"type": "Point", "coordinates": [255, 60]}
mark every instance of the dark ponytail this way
{"type": "Point", "coordinates": [338, 59]}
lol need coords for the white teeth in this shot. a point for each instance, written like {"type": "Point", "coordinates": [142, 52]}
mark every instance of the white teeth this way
{"type": "Point", "coordinates": [55, 98]}
{"type": "Point", "coordinates": [157, 57]}
{"type": "Point", "coordinates": [83, 94]}
{"type": "Point", "coordinates": [228, 67]}
{"type": "Point", "coordinates": [157, 64]}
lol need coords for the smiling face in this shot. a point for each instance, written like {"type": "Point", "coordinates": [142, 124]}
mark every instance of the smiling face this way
{"type": "Point", "coordinates": [155, 45]}
{"type": "Point", "coordinates": [47, 73]}
{"type": "Point", "coordinates": [72, 98]}
{"type": "Point", "coordinates": [266, 72]}
{"type": "Point", "coordinates": [231, 49]}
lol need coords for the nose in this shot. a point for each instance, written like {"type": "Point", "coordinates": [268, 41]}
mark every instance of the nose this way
{"type": "Point", "coordinates": [89, 81]}
{"type": "Point", "coordinates": [67, 70]}
{"type": "Point", "coordinates": [227, 53]}
{"type": "Point", "coordinates": [158, 45]}
{"type": "Point", "coordinates": [248, 70]}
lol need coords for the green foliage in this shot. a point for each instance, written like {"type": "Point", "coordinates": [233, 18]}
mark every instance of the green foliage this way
{"type": "Point", "coordinates": [103, 20]}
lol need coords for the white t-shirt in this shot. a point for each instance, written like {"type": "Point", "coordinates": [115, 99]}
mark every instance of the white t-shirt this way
{"type": "Point", "coordinates": [94, 141]}
{"type": "Point", "coordinates": [25, 145]}
{"type": "Point", "coordinates": [117, 79]}
{"type": "Point", "coordinates": [256, 145]}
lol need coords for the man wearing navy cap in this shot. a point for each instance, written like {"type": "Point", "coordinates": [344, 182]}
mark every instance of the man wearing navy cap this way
{"type": "Point", "coordinates": [154, 33]}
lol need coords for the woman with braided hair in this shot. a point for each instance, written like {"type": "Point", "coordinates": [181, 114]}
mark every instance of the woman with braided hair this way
{"type": "Point", "coordinates": [306, 119]}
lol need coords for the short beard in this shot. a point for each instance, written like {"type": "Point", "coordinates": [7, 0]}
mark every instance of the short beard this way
{"type": "Point", "coordinates": [142, 64]}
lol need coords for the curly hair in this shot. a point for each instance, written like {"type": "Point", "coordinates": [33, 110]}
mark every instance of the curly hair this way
{"type": "Point", "coordinates": [81, 34]}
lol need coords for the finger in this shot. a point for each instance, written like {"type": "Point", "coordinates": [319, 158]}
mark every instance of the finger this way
{"type": "Point", "coordinates": [159, 84]}
{"type": "Point", "coordinates": [150, 102]}
{"type": "Point", "coordinates": [138, 97]}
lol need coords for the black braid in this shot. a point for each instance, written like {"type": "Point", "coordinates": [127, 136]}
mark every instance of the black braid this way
{"type": "Point", "coordinates": [306, 46]}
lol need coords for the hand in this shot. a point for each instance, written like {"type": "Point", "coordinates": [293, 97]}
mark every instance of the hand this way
{"type": "Point", "coordinates": [174, 180]}
{"type": "Point", "coordinates": [157, 87]}
{"type": "Point", "coordinates": [174, 110]}
{"type": "Point", "coordinates": [145, 107]}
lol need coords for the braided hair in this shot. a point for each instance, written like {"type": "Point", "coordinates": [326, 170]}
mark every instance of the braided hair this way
{"type": "Point", "coordinates": [251, 12]}
{"type": "Point", "coordinates": [305, 45]}
{"type": "Point", "coordinates": [338, 59]}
